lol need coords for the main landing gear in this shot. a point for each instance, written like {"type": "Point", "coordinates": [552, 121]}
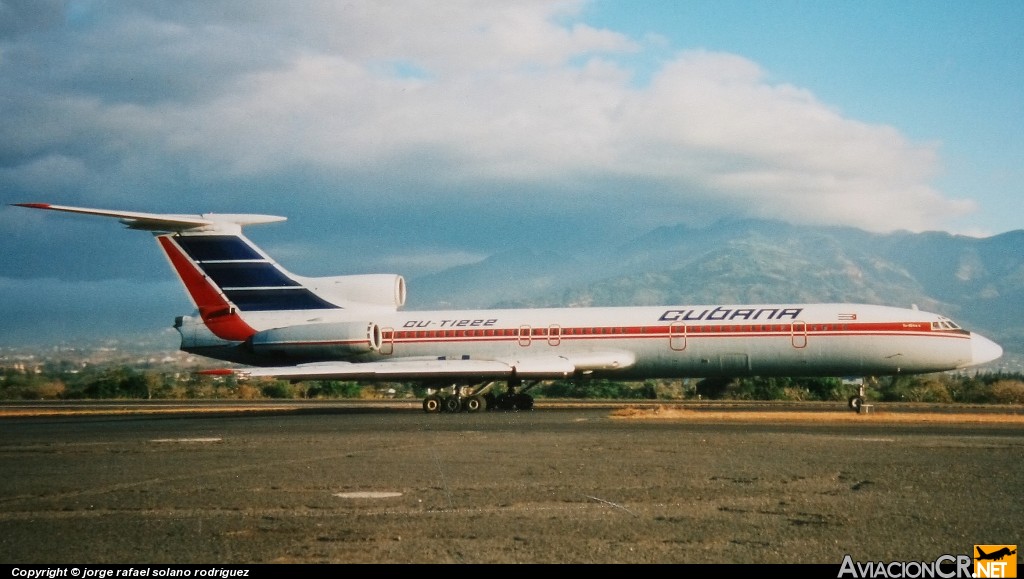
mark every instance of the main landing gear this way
{"type": "Point", "coordinates": [462, 398]}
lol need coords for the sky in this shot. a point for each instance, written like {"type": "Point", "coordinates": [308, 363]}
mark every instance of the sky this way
{"type": "Point", "coordinates": [410, 136]}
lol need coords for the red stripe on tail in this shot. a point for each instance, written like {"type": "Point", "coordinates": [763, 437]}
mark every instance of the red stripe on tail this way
{"type": "Point", "coordinates": [217, 313]}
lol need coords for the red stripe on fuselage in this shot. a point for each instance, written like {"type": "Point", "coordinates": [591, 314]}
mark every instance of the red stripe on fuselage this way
{"type": "Point", "coordinates": [218, 314]}
{"type": "Point", "coordinates": [695, 331]}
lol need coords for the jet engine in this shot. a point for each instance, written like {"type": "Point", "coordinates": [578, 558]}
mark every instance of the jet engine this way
{"type": "Point", "coordinates": [373, 289]}
{"type": "Point", "coordinates": [323, 341]}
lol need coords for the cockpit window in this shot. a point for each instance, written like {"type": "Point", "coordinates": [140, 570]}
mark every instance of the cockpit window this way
{"type": "Point", "coordinates": [945, 324]}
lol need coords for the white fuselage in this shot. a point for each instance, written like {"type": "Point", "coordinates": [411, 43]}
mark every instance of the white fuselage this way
{"type": "Point", "coordinates": [650, 342]}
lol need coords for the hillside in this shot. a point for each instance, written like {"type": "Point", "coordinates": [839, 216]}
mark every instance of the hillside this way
{"type": "Point", "coordinates": [979, 282]}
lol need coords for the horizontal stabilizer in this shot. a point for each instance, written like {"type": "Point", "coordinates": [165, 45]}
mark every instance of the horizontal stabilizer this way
{"type": "Point", "coordinates": [166, 221]}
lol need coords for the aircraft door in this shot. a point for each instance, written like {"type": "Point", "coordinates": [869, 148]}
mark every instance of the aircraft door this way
{"type": "Point", "coordinates": [554, 335]}
{"type": "Point", "coordinates": [798, 334]}
{"type": "Point", "coordinates": [677, 336]}
{"type": "Point", "coordinates": [525, 336]}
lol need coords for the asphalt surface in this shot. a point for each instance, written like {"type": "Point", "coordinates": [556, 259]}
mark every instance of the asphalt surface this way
{"type": "Point", "coordinates": [375, 484]}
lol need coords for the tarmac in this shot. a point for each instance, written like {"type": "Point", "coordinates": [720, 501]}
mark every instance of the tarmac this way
{"type": "Point", "coordinates": [387, 483]}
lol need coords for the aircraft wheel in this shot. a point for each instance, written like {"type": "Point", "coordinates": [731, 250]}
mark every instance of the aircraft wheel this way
{"type": "Point", "coordinates": [452, 404]}
{"type": "Point", "coordinates": [855, 403]}
{"type": "Point", "coordinates": [524, 401]}
{"type": "Point", "coordinates": [475, 404]}
{"type": "Point", "coordinates": [432, 403]}
{"type": "Point", "coordinates": [506, 402]}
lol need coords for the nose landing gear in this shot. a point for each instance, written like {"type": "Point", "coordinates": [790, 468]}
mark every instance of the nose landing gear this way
{"type": "Point", "coordinates": [858, 402]}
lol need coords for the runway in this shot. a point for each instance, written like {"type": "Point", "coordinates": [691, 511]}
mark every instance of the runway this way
{"type": "Point", "coordinates": [365, 483]}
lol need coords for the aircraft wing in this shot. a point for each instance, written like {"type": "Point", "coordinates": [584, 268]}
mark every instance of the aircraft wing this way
{"type": "Point", "coordinates": [400, 369]}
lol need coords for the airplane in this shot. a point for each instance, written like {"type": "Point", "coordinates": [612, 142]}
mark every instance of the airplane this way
{"type": "Point", "coordinates": [251, 311]}
{"type": "Point", "coordinates": [995, 555]}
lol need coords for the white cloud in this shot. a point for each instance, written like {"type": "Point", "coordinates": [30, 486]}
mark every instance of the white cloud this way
{"type": "Point", "coordinates": [422, 260]}
{"type": "Point", "coordinates": [466, 94]}
{"type": "Point", "coordinates": [46, 174]}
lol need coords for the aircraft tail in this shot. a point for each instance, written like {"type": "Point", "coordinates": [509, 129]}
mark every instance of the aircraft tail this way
{"type": "Point", "coordinates": [231, 280]}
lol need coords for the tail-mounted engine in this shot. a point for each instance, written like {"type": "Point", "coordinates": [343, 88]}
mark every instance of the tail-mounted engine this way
{"type": "Point", "coordinates": [335, 340]}
{"type": "Point", "coordinates": [371, 289]}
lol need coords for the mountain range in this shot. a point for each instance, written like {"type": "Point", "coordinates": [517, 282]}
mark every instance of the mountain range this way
{"type": "Point", "coordinates": [977, 282]}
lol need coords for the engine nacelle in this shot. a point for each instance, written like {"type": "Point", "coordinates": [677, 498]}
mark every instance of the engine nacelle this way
{"type": "Point", "coordinates": [325, 341]}
{"type": "Point", "coordinates": [374, 289]}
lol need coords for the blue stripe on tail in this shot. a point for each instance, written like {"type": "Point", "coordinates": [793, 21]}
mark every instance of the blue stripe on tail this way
{"type": "Point", "coordinates": [248, 279]}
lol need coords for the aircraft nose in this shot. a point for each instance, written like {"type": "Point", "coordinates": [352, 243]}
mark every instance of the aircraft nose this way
{"type": "Point", "coordinates": [984, 350]}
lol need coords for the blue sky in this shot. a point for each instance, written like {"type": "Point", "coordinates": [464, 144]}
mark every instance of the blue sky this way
{"type": "Point", "coordinates": [410, 136]}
